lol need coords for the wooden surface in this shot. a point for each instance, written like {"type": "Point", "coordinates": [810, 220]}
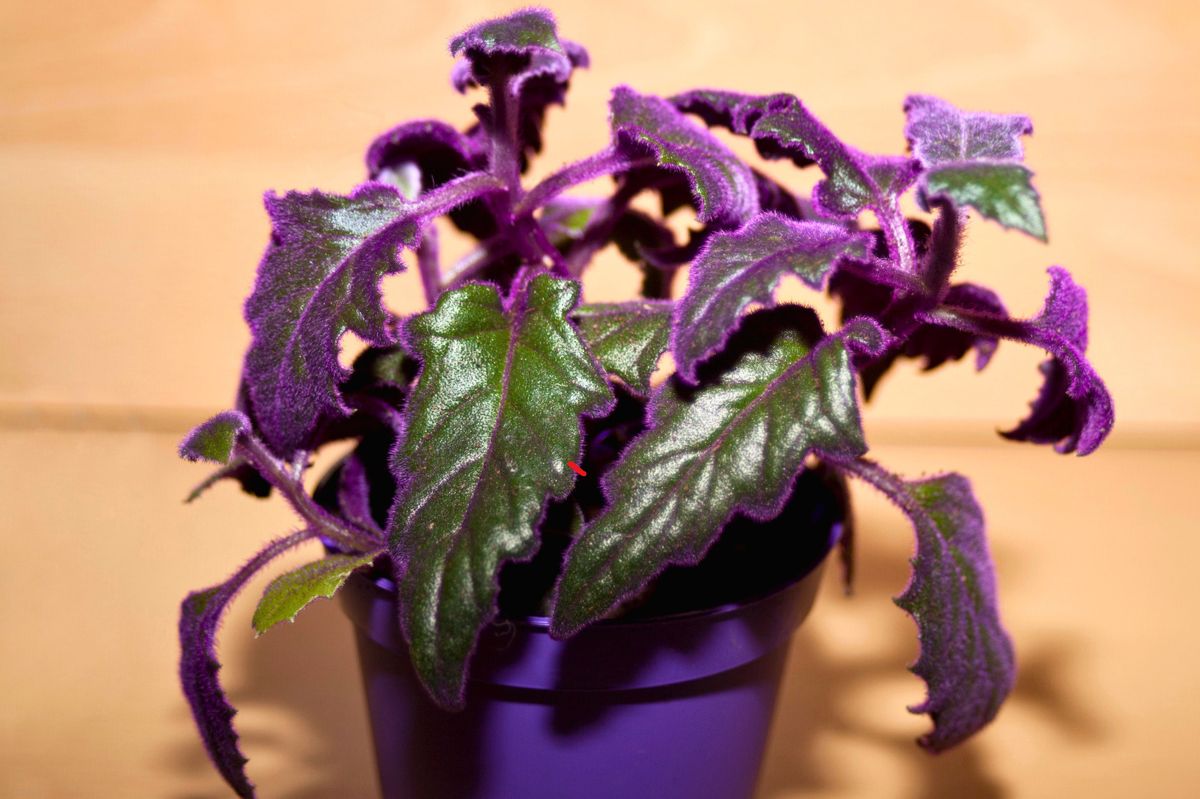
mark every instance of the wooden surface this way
{"type": "Point", "coordinates": [135, 141]}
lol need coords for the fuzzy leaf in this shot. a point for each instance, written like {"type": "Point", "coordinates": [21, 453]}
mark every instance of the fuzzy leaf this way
{"type": "Point", "coordinates": [491, 423]}
{"type": "Point", "coordinates": [734, 446]}
{"type": "Point", "coordinates": [289, 593]}
{"type": "Point", "coordinates": [1002, 192]}
{"type": "Point", "coordinates": [724, 188]}
{"type": "Point", "coordinates": [199, 617]}
{"type": "Point", "coordinates": [975, 159]}
{"type": "Point", "coordinates": [966, 656]}
{"type": "Point", "coordinates": [1073, 410]}
{"type": "Point", "coordinates": [736, 268]}
{"type": "Point", "coordinates": [319, 278]}
{"type": "Point", "coordinates": [782, 127]}
{"type": "Point", "coordinates": [420, 156]}
{"type": "Point", "coordinates": [523, 49]}
{"type": "Point", "coordinates": [626, 337]}
{"type": "Point", "coordinates": [214, 440]}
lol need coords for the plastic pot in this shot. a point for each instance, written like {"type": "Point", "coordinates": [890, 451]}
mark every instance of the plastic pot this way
{"type": "Point", "coordinates": [654, 705]}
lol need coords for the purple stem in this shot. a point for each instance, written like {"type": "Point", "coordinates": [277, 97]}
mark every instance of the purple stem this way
{"type": "Point", "coordinates": [506, 160]}
{"type": "Point", "coordinates": [558, 264]}
{"type": "Point", "coordinates": [895, 231]}
{"type": "Point", "coordinates": [427, 264]}
{"type": "Point", "coordinates": [605, 162]}
{"type": "Point", "coordinates": [320, 520]}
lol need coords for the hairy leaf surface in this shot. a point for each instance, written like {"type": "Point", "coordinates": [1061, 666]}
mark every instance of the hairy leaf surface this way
{"type": "Point", "coordinates": [723, 186]}
{"type": "Point", "coordinates": [214, 440]}
{"type": "Point", "coordinates": [1073, 411]}
{"type": "Point", "coordinates": [627, 337]}
{"type": "Point", "coordinates": [289, 593]}
{"type": "Point", "coordinates": [319, 278]}
{"type": "Point", "coordinates": [199, 617]}
{"type": "Point", "coordinates": [966, 656]}
{"type": "Point", "coordinates": [736, 268]}
{"type": "Point", "coordinates": [730, 447]}
{"type": "Point", "coordinates": [492, 421]}
{"type": "Point", "coordinates": [974, 159]}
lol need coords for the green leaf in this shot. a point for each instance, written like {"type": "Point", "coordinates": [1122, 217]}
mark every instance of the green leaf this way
{"type": "Point", "coordinates": [734, 446]}
{"type": "Point", "coordinates": [289, 593]}
{"type": "Point", "coordinates": [974, 158]}
{"type": "Point", "coordinates": [491, 423]}
{"type": "Point", "coordinates": [1002, 192]}
{"type": "Point", "coordinates": [966, 656]}
{"type": "Point", "coordinates": [723, 186]}
{"type": "Point", "coordinates": [627, 337]}
{"type": "Point", "coordinates": [564, 219]}
{"type": "Point", "coordinates": [214, 440]}
{"type": "Point", "coordinates": [738, 267]}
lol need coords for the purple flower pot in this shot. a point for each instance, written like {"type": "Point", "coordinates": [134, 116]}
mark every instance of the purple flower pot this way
{"type": "Point", "coordinates": [653, 705]}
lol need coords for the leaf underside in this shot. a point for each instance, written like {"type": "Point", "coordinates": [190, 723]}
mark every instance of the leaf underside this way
{"type": "Point", "coordinates": [289, 593]}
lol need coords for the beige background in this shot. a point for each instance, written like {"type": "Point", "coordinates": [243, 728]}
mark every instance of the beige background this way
{"type": "Point", "coordinates": [135, 141]}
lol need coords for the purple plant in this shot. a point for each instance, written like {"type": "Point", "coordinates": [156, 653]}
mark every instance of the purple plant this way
{"type": "Point", "coordinates": [466, 415]}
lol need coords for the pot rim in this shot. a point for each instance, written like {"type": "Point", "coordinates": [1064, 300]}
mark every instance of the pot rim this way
{"type": "Point", "coordinates": [541, 624]}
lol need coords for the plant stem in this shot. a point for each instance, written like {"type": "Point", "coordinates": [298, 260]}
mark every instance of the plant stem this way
{"type": "Point", "coordinates": [605, 162]}
{"type": "Point", "coordinates": [320, 520]}
{"type": "Point", "coordinates": [506, 156]}
{"type": "Point", "coordinates": [895, 231]}
{"type": "Point", "coordinates": [427, 264]}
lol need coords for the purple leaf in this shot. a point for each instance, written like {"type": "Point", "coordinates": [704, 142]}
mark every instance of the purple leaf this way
{"type": "Point", "coordinates": [966, 656]}
{"type": "Point", "coordinates": [525, 65]}
{"type": "Point", "coordinates": [319, 278]}
{"type": "Point", "coordinates": [733, 445]}
{"type": "Point", "coordinates": [724, 187]}
{"type": "Point", "coordinates": [782, 127]}
{"type": "Point", "coordinates": [527, 38]}
{"type": "Point", "coordinates": [354, 493]}
{"type": "Point", "coordinates": [421, 155]}
{"type": "Point", "coordinates": [199, 617]}
{"type": "Point", "coordinates": [437, 151]}
{"type": "Point", "coordinates": [975, 159]}
{"type": "Point", "coordinates": [736, 268]}
{"type": "Point", "coordinates": [1073, 410]}
{"type": "Point", "coordinates": [491, 423]}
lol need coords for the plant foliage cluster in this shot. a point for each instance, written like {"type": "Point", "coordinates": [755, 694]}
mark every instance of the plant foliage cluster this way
{"type": "Point", "coordinates": [476, 405]}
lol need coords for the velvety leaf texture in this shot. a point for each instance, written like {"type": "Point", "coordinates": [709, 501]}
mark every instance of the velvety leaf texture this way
{"type": "Point", "coordinates": [723, 186]}
{"type": "Point", "coordinates": [966, 656]}
{"type": "Point", "coordinates": [731, 447]}
{"type": "Point", "coordinates": [974, 159]}
{"type": "Point", "coordinates": [627, 337]}
{"type": "Point", "coordinates": [524, 50]}
{"type": "Point", "coordinates": [214, 440]}
{"type": "Point", "coordinates": [319, 278]}
{"type": "Point", "coordinates": [736, 268]}
{"type": "Point", "coordinates": [492, 422]}
{"type": "Point", "coordinates": [199, 617]}
{"type": "Point", "coordinates": [781, 126]}
{"type": "Point", "coordinates": [1073, 411]}
{"type": "Point", "coordinates": [289, 593]}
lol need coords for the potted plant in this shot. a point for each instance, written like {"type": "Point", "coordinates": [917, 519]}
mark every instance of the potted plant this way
{"type": "Point", "coordinates": [601, 571]}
